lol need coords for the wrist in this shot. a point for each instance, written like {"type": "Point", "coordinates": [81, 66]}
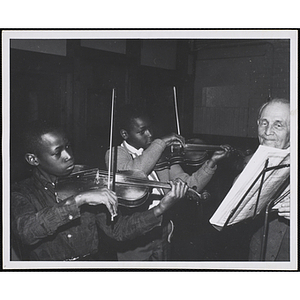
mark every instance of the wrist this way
{"type": "Point", "coordinates": [157, 210]}
{"type": "Point", "coordinates": [162, 142]}
{"type": "Point", "coordinates": [212, 163]}
{"type": "Point", "coordinates": [159, 143]}
{"type": "Point", "coordinates": [79, 199]}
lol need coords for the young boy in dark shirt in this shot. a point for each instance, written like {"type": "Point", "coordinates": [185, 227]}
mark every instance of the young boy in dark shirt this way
{"type": "Point", "coordinates": [57, 229]}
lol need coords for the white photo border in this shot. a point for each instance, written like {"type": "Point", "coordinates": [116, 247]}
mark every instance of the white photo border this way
{"type": "Point", "coordinates": [7, 35]}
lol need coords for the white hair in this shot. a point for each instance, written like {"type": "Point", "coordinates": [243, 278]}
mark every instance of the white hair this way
{"type": "Point", "coordinates": [275, 100]}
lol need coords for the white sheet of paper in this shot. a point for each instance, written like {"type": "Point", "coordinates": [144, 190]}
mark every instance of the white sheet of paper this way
{"type": "Point", "coordinates": [272, 181]}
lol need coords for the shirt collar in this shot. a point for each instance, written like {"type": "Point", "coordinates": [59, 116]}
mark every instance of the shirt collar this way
{"type": "Point", "coordinates": [132, 149]}
{"type": "Point", "coordinates": [42, 179]}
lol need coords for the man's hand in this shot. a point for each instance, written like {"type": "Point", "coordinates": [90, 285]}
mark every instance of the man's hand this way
{"type": "Point", "coordinates": [173, 138]}
{"type": "Point", "coordinates": [99, 196]}
{"type": "Point", "coordinates": [284, 208]}
{"type": "Point", "coordinates": [220, 154]}
{"type": "Point", "coordinates": [177, 192]}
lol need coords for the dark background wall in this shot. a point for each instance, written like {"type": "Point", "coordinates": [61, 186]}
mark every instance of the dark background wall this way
{"type": "Point", "coordinates": [220, 85]}
{"type": "Point", "coordinates": [232, 80]}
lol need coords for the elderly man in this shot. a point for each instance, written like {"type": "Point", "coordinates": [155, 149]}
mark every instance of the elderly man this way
{"type": "Point", "coordinates": [274, 131]}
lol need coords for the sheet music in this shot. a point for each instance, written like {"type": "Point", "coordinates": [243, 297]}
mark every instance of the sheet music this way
{"type": "Point", "coordinates": [272, 181]}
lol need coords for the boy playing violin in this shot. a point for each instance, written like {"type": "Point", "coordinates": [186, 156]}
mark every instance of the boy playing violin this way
{"type": "Point", "coordinates": [50, 228]}
{"type": "Point", "coordinates": [139, 151]}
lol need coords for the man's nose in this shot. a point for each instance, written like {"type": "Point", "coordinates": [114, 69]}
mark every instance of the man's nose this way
{"type": "Point", "coordinates": [67, 155]}
{"type": "Point", "coordinates": [149, 133]}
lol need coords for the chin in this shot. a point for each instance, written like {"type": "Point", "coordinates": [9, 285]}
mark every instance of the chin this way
{"type": "Point", "coordinates": [269, 144]}
{"type": "Point", "coordinates": [68, 171]}
{"type": "Point", "coordinates": [274, 145]}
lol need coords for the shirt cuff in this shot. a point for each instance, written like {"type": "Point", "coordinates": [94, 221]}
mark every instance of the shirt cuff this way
{"type": "Point", "coordinates": [150, 218]}
{"type": "Point", "coordinates": [159, 142]}
{"type": "Point", "coordinates": [208, 169]}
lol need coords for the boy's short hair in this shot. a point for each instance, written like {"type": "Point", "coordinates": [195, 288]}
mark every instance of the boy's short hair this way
{"type": "Point", "coordinates": [127, 114]}
{"type": "Point", "coordinates": [32, 132]}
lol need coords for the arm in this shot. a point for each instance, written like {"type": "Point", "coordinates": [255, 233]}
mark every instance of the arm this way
{"type": "Point", "coordinates": [202, 176]}
{"type": "Point", "coordinates": [99, 196]}
{"type": "Point", "coordinates": [33, 225]}
{"type": "Point", "coordinates": [129, 227]}
{"type": "Point", "coordinates": [177, 192]}
{"type": "Point", "coordinates": [145, 162]}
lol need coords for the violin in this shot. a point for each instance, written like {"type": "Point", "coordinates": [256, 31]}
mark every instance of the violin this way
{"type": "Point", "coordinates": [132, 188]}
{"type": "Point", "coordinates": [192, 155]}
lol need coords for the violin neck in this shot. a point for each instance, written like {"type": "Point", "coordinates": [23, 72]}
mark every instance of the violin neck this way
{"type": "Point", "coordinates": [145, 183]}
{"type": "Point", "coordinates": [158, 184]}
{"type": "Point", "coordinates": [200, 147]}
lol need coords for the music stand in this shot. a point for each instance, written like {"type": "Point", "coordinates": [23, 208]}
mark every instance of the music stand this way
{"type": "Point", "coordinates": [275, 196]}
{"type": "Point", "coordinates": [279, 191]}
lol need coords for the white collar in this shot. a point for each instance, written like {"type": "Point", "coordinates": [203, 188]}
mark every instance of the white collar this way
{"type": "Point", "coordinates": [132, 149]}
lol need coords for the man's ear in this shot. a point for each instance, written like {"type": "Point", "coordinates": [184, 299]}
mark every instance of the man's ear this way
{"type": "Point", "coordinates": [32, 159]}
{"type": "Point", "coordinates": [124, 134]}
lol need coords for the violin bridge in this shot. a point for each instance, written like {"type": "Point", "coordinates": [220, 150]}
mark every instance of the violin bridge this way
{"type": "Point", "coordinates": [97, 178]}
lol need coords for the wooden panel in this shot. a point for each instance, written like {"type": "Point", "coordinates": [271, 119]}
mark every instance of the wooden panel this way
{"type": "Point", "coordinates": [221, 121]}
{"type": "Point", "coordinates": [159, 53]}
{"type": "Point", "coordinates": [229, 88]}
{"type": "Point", "coordinates": [49, 46]}
{"type": "Point", "coordinates": [118, 46]}
{"type": "Point", "coordinates": [226, 96]}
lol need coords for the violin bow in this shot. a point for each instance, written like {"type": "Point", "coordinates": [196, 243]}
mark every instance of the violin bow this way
{"type": "Point", "coordinates": [111, 137]}
{"type": "Point", "coordinates": [176, 110]}
{"type": "Point", "coordinates": [112, 171]}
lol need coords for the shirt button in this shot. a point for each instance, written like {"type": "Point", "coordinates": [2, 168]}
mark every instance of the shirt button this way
{"type": "Point", "coordinates": [70, 217]}
{"type": "Point", "coordinates": [69, 235]}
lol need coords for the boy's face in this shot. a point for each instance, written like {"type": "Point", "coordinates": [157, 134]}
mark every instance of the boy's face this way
{"type": "Point", "coordinates": [274, 126]}
{"type": "Point", "coordinates": [54, 154]}
{"type": "Point", "coordinates": [140, 133]}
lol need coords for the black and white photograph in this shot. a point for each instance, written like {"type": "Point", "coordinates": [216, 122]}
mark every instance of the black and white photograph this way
{"type": "Point", "coordinates": [150, 149]}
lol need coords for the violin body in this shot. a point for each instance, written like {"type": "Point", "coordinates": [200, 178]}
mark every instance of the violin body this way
{"type": "Point", "coordinates": [132, 187]}
{"type": "Point", "coordinates": [129, 195]}
{"type": "Point", "coordinates": [84, 180]}
{"type": "Point", "coordinates": [192, 154]}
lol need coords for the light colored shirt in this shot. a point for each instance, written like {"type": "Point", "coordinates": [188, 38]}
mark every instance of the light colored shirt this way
{"type": "Point", "coordinates": [152, 176]}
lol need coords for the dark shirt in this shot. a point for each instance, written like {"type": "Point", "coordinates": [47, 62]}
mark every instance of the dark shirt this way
{"type": "Point", "coordinates": [55, 229]}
